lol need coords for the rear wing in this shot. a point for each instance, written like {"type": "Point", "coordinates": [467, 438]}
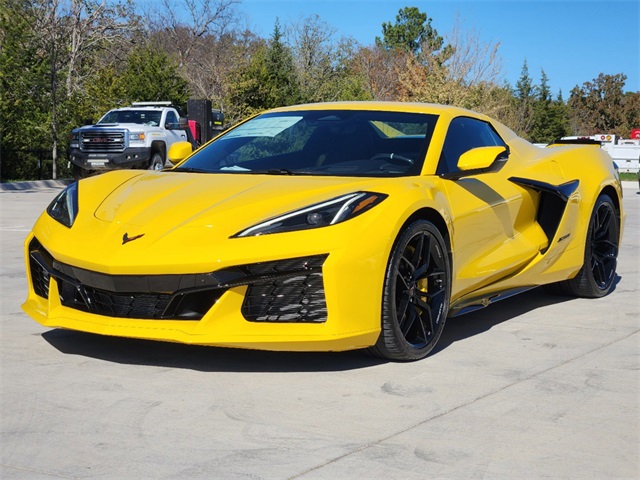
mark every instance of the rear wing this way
{"type": "Point", "coordinates": [573, 141]}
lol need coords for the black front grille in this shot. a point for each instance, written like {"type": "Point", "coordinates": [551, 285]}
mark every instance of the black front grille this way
{"type": "Point", "coordinates": [296, 298]}
{"type": "Point", "coordinates": [281, 291]}
{"type": "Point", "coordinates": [40, 279]}
{"type": "Point", "coordinates": [123, 305]}
{"type": "Point", "coordinates": [103, 140]}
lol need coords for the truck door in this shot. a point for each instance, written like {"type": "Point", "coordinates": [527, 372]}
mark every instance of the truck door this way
{"type": "Point", "coordinates": [174, 134]}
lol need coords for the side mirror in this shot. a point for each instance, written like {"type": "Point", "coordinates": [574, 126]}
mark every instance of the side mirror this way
{"type": "Point", "coordinates": [480, 158]}
{"type": "Point", "coordinates": [179, 151]}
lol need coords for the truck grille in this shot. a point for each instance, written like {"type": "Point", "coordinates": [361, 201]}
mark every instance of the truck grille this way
{"type": "Point", "coordinates": [104, 140]}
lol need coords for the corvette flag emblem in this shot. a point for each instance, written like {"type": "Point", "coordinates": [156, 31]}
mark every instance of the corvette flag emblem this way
{"type": "Point", "coordinates": [126, 238]}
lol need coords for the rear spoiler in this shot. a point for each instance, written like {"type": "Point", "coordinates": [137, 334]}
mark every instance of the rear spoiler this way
{"type": "Point", "coordinates": [575, 141]}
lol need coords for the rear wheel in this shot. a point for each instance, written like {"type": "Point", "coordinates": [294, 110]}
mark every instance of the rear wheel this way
{"type": "Point", "coordinates": [415, 295]}
{"type": "Point", "coordinates": [156, 162]}
{"type": "Point", "coordinates": [595, 278]}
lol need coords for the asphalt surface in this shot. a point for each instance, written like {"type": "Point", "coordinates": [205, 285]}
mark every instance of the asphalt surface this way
{"type": "Point", "coordinates": [533, 387]}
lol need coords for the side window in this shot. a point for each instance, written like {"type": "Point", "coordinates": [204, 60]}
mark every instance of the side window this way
{"type": "Point", "coordinates": [171, 118]}
{"type": "Point", "coordinates": [464, 134]}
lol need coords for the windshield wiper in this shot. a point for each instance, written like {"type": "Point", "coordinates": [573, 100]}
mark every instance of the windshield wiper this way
{"type": "Point", "coordinates": [190, 170]}
{"type": "Point", "coordinates": [280, 171]}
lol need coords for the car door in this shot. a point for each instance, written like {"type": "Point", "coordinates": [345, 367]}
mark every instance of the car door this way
{"type": "Point", "coordinates": [489, 212]}
{"type": "Point", "coordinates": [174, 134]}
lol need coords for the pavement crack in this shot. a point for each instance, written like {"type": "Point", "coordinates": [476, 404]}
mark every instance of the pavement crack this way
{"type": "Point", "coordinates": [462, 405]}
{"type": "Point", "coordinates": [34, 470]}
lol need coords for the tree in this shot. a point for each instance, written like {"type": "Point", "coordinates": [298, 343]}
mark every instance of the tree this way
{"type": "Point", "coordinates": [247, 90]}
{"type": "Point", "coordinates": [152, 76]}
{"type": "Point", "coordinates": [524, 95]}
{"type": "Point", "coordinates": [599, 106]}
{"type": "Point", "coordinates": [283, 87]}
{"type": "Point", "coordinates": [548, 122]}
{"type": "Point", "coordinates": [322, 65]}
{"type": "Point", "coordinates": [466, 73]}
{"type": "Point", "coordinates": [411, 33]}
{"type": "Point", "coordinates": [378, 69]}
{"type": "Point", "coordinates": [68, 37]}
{"type": "Point", "coordinates": [24, 86]}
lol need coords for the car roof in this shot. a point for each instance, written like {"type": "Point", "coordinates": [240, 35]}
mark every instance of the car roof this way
{"type": "Point", "coordinates": [413, 107]}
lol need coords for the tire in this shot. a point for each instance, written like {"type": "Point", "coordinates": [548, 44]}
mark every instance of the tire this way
{"type": "Point", "coordinates": [156, 163]}
{"type": "Point", "coordinates": [416, 293]}
{"type": "Point", "coordinates": [596, 277]}
{"type": "Point", "coordinates": [79, 173]}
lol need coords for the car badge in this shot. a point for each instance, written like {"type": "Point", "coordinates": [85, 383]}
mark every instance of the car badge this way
{"type": "Point", "coordinates": [126, 238]}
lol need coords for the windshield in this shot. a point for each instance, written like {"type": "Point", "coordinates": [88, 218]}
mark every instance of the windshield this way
{"type": "Point", "coordinates": [141, 117]}
{"type": "Point", "coordinates": [336, 142]}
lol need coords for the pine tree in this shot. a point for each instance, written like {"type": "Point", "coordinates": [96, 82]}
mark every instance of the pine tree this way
{"type": "Point", "coordinates": [281, 75]}
{"type": "Point", "coordinates": [524, 100]}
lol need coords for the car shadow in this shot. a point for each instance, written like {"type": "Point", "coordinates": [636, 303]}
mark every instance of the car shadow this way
{"type": "Point", "coordinates": [214, 359]}
{"type": "Point", "coordinates": [474, 323]}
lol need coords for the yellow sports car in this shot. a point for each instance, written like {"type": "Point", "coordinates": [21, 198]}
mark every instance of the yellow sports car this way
{"type": "Point", "coordinates": [327, 227]}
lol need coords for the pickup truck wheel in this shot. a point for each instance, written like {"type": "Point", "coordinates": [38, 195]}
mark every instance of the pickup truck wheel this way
{"type": "Point", "coordinates": [156, 162]}
{"type": "Point", "coordinates": [79, 172]}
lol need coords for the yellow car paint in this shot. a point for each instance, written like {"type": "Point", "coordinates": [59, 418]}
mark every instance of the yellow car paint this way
{"type": "Point", "coordinates": [185, 223]}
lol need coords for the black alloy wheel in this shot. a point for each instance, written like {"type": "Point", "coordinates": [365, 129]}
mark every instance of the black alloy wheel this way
{"type": "Point", "coordinates": [596, 277]}
{"type": "Point", "coordinates": [416, 294]}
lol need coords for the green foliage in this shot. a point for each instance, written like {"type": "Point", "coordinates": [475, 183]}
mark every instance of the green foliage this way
{"type": "Point", "coordinates": [268, 80]}
{"type": "Point", "coordinates": [411, 33]}
{"type": "Point", "coordinates": [152, 76]}
{"type": "Point", "coordinates": [549, 121]}
{"type": "Point", "coordinates": [601, 106]}
{"type": "Point", "coordinates": [282, 85]}
{"type": "Point", "coordinates": [24, 104]}
{"type": "Point", "coordinates": [248, 87]}
{"type": "Point", "coordinates": [62, 63]}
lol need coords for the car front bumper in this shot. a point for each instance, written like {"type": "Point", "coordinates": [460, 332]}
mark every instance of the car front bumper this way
{"type": "Point", "coordinates": [351, 284]}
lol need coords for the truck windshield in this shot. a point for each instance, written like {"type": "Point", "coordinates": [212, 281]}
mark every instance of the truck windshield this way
{"type": "Point", "coordinates": [141, 117]}
{"type": "Point", "coordinates": [327, 142]}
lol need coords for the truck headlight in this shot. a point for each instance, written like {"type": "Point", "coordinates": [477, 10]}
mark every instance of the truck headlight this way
{"type": "Point", "coordinates": [136, 137]}
{"type": "Point", "coordinates": [74, 139]}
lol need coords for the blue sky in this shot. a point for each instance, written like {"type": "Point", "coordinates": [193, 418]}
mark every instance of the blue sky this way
{"type": "Point", "coordinates": [572, 40]}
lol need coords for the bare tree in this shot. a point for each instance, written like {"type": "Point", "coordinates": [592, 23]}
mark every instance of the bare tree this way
{"type": "Point", "coordinates": [379, 68]}
{"type": "Point", "coordinates": [187, 27]}
{"type": "Point", "coordinates": [71, 33]}
{"type": "Point", "coordinates": [201, 35]}
{"type": "Point", "coordinates": [466, 75]}
{"type": "Point", "coordinates": [93, 26]}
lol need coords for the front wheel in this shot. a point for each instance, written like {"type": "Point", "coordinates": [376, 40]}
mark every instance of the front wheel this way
{"type": "Point", "coordinates": [596, 277]}
{"type": "Point", "coordinates": [156, 162]}
{"type": "Point", "coordinates": [79, 173]}
{"type": "Point", "coordinates": [416, 294]}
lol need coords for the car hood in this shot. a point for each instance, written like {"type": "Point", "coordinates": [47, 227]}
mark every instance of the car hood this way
{"type": "Point", "coordinates": [231, 202]}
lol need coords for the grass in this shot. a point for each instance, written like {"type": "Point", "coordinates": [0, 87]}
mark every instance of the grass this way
{"type": "Point", "coordinates": [628, 176]}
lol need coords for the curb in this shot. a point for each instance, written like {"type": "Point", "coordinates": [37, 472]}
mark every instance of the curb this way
{"type": "Point", "coordinates": [35, 185]}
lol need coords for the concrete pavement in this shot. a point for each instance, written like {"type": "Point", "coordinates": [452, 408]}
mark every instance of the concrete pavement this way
{"type": "Point", "coordinates": [531, 387]}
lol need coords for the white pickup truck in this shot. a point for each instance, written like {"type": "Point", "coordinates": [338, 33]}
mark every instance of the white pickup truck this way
{"type": "Point", "coordinates": [138, 136]}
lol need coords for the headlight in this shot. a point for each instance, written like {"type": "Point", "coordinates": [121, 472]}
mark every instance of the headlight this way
{"type": "Point", "coordinates": [74, 139]}
{"type": "Point", "coordinates": [322, 214]}
{"type": "Point", "coordinates": [64, 207]}
{"type": "Point", "coordinates": [136, 137]}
